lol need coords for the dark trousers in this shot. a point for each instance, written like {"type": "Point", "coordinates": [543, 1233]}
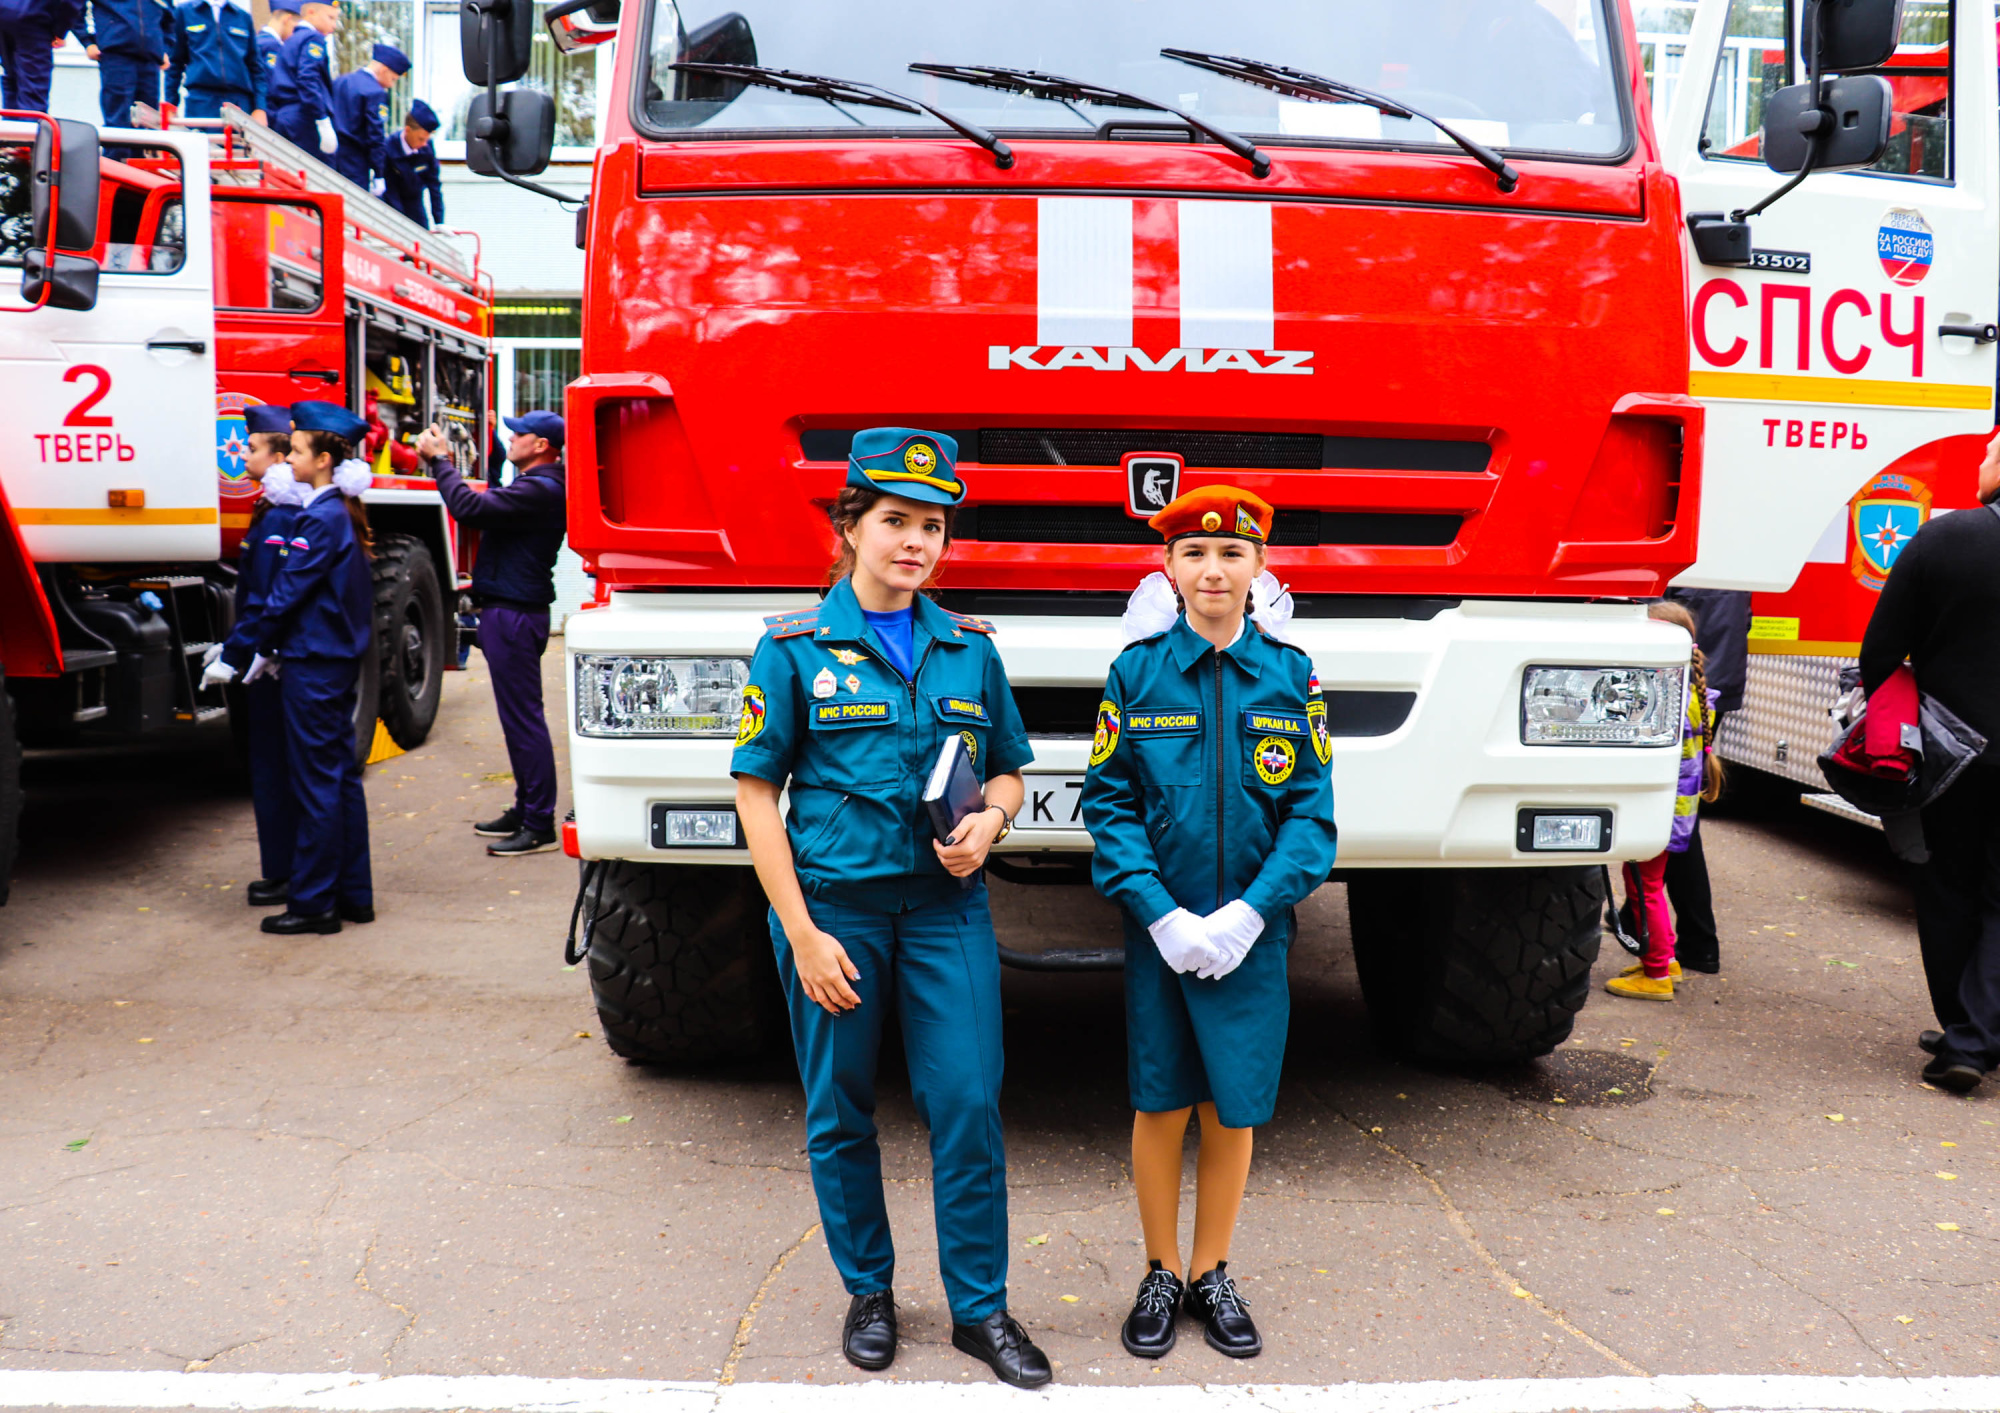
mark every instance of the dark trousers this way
{"type": "Point", "coordinates": [293, 123]}
{"type": "Point", "coordinates": [330, 861]}
{"type": "Point", "coordinates": [514, 640]}
{"type": "Point", "coordinates": [30, 61]}
{"type": "Point", "coordinates": [1958, 914]}
{"type": "Point", "coordinates": [207, 102]}
{"type": "Point", "coordinates": [123, 80]}
{"type": "Point", "coordinates": [350, 159]}
{"type": "Point", "coordinates": [271, 797]}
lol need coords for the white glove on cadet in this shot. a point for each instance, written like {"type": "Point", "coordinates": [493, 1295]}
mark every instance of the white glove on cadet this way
{"type": "Point", "coordinates": [214, 651]}
{"type": "Point", "coordinates": [328, 142]}
{"type": "Point", "coordinates": [261, 666]}
{"type": "Point", "coordinates": [1182, 940]}
{"type": "Point", "coordinates": [218, 673]}
{"type": "Point", "coordinates": [1232, 929]}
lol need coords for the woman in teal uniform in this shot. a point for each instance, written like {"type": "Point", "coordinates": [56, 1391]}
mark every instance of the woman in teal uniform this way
{"type": "Point", "coordinates": [1210, 804]}
{"type": "Point", "coordinates": [850, 703]}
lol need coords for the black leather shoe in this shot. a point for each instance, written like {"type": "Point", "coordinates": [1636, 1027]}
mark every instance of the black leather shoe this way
{"type": "Point", "coordinates": [1953, 1072]}
{"type": "Point", "coordinates": [1213, 1299]}
{"type": "Point", "coordinates": [291, 924]}
{"type": "Point", "coordinates": [1005, 1347]}
{"type": "Point", "coordinates": [1149, 1330]}
{"type": "Point", "coordinates": [1929, 1040]}
{"type": "Point", "coordinates": [869, 1340]}
{"type": "Point", "coordinates": [1706, 965]}
{"type": "Point", "coordinates": [506, 824]}
{"type": "Point", "coordinates": [524, 841]}
{"type": "Point", "coordinates": [355, 912]}
{"type": "Point", "coordinates": [268, 892]}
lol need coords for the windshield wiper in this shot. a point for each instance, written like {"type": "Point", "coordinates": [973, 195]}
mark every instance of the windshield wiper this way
{"type": "Point", "coordinates": [1066, 91]}
{"type": "Point", "coordinates": [1296, 83]}
{"type": "Point", "coordinates": [836, 91]}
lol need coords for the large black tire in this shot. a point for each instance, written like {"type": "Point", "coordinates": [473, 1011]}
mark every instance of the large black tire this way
{"type": "Point", "coordinates": [10, 794]}
{"type": "Point", "coordinates": [1475, 965]}
{"type": "Point", "coordinates": [681, 965]}
{"type": "Point", "coordinates": [411, 636]}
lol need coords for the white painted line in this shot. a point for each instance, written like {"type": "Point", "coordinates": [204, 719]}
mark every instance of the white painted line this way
{"type": "Point", "coordinates": [1083, 271]}
{"type": "Point", "coordinates": [424, 1393]}
{"type": "Point", "coordinates": [1226, 295]}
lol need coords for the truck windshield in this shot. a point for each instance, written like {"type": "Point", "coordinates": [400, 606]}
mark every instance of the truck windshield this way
{"type": "Point", "coordinates": [1527, 75]}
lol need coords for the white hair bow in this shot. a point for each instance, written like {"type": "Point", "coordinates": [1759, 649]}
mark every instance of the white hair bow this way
{"type": "Point", "coordinates": [1154, 606]}
{"type": "Point", "coordinates": [351, 478]}
{"type": "Point", "coordinates": [281, 488]}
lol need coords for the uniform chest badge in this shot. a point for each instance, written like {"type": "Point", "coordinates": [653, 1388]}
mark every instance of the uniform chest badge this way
{"type": "Point", "coordinates": [847, 657]}
{"type": "Point", "coordinates": [853, 682]}
{"type": "Point", "coordinates": [971, 746]}
{"type": "Point", "coordinates": [824, 685]}
{"type": "Point", "coordinates": [1275, 759]}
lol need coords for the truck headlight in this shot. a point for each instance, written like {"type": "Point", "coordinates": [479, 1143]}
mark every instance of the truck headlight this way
{"type": "Point", "coordinates": [621, 695]}
{"type": "Point", "coordinates": [1601, 706]}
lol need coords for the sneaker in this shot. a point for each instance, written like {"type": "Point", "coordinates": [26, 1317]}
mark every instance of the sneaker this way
{"type": "Point", "coordinates": [1225, 1315]}
{"type": "Point", "coordinates": [1149, 1330]}
{"type": "Point", "coordinates": [524, 841]}
{"type": "Point", "coordinates": [506, 825]}
{"type": "Point", "coordinates": [1641, 987]}
{"type": "Point", "coordinates": [1639, 969]}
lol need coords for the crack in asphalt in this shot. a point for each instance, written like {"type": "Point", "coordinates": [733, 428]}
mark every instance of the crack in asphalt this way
{"type": "Point", "coordinates": [741, 1342]}
{"type": "Point", "coordinates": [197, 1364]}
{"type": "Point", "coordinates": [409, 1315]}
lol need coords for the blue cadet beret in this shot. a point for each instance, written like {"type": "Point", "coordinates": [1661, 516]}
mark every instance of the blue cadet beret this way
{"type": "Point", "coordinates": [328, 417]}
{"type": "Point", "coordinates": [284, 7]}
{"type": "Point", "coordinates": [538, 424]}
{"type": "Point", "coordinates": [268, 416]}
{"type": "Point", "coordinates": [424, 116]}
{"type": "Point", "coordinates": [394, 59]}
{"type": "Point", "coordinates": [904, 462]}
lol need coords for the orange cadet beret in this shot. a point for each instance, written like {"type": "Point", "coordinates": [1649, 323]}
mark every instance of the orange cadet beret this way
{"type": "Point", "coordinates": [1225, 511]}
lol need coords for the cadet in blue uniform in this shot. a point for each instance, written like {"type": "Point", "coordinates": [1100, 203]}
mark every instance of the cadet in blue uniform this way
{"type": "Point", "coordinates": [411, 168]}
{"type": "Point", "coordinates": [871, 914]}
{"type": "Point", "coordinates": [30, 33]}
{"type": "Point", "coordinates": [257, 565]}
{"type": "Point", "coordinates": [361, 114]}
{"type": "Point", "coordinates": [1210, 804]}
{"type": "Point", "coordinates": [271, 42]}
{"type": "Point", "coordinates": [214, 56]}
{"type": "Point", "coordinates": [306, 118]}
{"type": "Point", "coordinates": [129, 39]}
{"type": "Point", "coordinates": [316, 621]}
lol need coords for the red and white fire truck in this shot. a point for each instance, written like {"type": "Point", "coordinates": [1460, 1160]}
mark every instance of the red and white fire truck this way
{"type": "Point", "coordinates": [1417, 273]}
{"type": "Point", "coordinates": [231, 269]}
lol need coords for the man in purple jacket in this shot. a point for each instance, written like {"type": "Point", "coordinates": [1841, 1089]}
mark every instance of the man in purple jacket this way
{"type": "Point", "coordinates": [513, 582]}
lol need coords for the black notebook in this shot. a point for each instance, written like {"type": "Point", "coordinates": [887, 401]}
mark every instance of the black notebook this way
{"type": "Point", "coordinates": [953, 793]}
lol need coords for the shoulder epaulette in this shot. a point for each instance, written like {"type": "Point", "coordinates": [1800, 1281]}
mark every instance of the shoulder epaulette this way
{"type": "Point", "coordinates": [1149, 638]}
{"type": "Point", "coordinates": [966, 620]}
{"type": "Point", "coordinates": [791, 625]}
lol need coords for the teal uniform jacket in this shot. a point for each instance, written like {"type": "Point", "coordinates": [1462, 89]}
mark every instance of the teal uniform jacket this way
{"type": "Point", "coordinates": [826, 711]}
{"type": "Point", "coordinates": [1209, 781]}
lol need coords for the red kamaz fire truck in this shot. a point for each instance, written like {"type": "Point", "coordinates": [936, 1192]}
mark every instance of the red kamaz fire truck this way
{"type": "Point", "coordinates": [231, 269]}
{"type": "Point", "coordinates": [1418, 273]}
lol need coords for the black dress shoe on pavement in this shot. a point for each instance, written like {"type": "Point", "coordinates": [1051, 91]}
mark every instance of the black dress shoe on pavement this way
{"type": "Point", "coordinates": [1952, 1071]}
{"type": "Point", "coordinates": [506, 824]}
{"type": "Point", "coordinates": [1213, 1299]}
{"type": "Point", "coordinates": [355, 912]}
{"type": "Point", "coordinates": [524, 841]}
{"type": "Point", "coordinates": [1929, 1040]}
{"type": "Point", "coordinates": [291, 924]}
{"type": "Point", "coordinates": [1005, 1347]}
{"type": "Point", "coordinates": [869, 1340]}
{"type": "Point", "coordinates": [1149, 1330]}
{"type": "Point", "coordinates": [268, 892]}
{"type": "Point", "coordinates": [1706, 965]}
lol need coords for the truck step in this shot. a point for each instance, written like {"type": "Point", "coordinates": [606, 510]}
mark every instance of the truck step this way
{"type": "Point", "coordinates": [192, 648]}
{"type": "Point", "coordinates": [89, 713]}
{"type": "Point", "coordinates": [88, 659]}
{"type": "Point", "coordinates": [171, 581]}
{"type": "Point", "coordinates": [208, 713]}
{"type": "Point", "coordinates": [1834, 805]}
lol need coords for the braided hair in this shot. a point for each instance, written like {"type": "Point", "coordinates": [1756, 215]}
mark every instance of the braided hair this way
{"type": "Point", "coordinates": [1667, 611]}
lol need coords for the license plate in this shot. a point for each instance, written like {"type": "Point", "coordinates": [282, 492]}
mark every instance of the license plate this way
{"type": "Point", "coordinates": [1054, 802]}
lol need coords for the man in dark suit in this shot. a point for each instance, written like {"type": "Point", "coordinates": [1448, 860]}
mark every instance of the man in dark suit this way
{"type": "Point", "coordinates": [410, 168]}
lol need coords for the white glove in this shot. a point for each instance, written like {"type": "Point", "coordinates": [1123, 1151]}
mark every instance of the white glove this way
{"type": "Point", "coordinates": [1231, 929]}
{"type": "Point", "coordinates": [214, 651]}
{"type": "Point", "coordinates": [218, 674]}
{"type": "Point", "coordinates": [261, 666]}
{"type": "Point", "coordinates": [328, 142]}
{"type": "Point", "coordinates": [1182, 940]}
{"type": "Point", "coordinates": [378, 186]}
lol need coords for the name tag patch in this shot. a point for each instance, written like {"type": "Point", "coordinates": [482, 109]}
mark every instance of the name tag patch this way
{"type": "Point", "coordinates": [1276, 723]}
{"type": "Point", "coordinates": [854, 713]}
{"type": "Point", "coordinates": [963, 708]}
{"type": "Point", "coordinates": [1174, 722]}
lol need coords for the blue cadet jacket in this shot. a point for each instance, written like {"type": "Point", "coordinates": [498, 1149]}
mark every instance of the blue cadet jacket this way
{"type": "Point", "coordinates": [825, 711]}
{"type": "Point", "coordinates": [302, 70]}
{"type": "Point", "coordinates": [33, 17]}
{"type": "Point", "coordinates": [217, 53]}
{"type": "Point", "coordinates": [269, 46]}
{"type": "Point", "coordinates": [257, 566]}
{"type": "Point", "coordinates": [360, 118]}
{"type": "Point", "coordinates": [1209, 778]}
{"type": "Point", "coordinates": [322, 602]}
{"type": "Point", "coordinates": [135, 29]}
{"type": "Point", "coordinates": [520, 528]}
{"type": "Point", "coordinates": [406, 176]}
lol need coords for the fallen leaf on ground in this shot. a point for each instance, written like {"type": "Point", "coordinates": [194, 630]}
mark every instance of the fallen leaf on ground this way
{"type": "Point", "coordinates": [1522, 1293]}
{"type": "Point", "coordinates": [1042, 1240]}
{"type": "Point", "coordinates": [1664, 1211]}
{"type": "Point", "coordinates": [1947, 1143]}
{"type": "Point", "coordinates": [1069, 1299]}
{"type": "Point", "coordinates": [1838, 1118]}
{"type": "Point", "coordinates": [583, 1035]}
{"type": "Point", "coordinates": [1947, 1226]}
{"type": "Point", "coordinates": [1904, 1320]}
{"type": "Point", "coordinates": [1949, 1177]}
{"type": "Point", "coordinates": [623, 1119]}
{"type": "Point", "coordinates": [74, 1144]}
{"type": "Point", "coordinates": [145, 1040]}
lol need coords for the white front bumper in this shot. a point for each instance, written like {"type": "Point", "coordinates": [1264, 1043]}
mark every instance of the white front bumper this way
{"type": "Point", "coordinates": [1444, 788]}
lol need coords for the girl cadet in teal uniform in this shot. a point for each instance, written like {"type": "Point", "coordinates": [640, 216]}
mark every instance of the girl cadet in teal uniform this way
{"type": "Point", "coordinates": [1210, 804]}
{"type": "Point", "coordinates": [870, 912]}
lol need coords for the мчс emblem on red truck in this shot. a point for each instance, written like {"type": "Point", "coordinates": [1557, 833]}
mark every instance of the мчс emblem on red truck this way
{"type": "Point", "coordinates": [1886, 514]}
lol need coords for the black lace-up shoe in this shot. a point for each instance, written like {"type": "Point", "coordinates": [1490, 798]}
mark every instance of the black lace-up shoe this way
{"type": "Point", "coordinates": [1149, 1330]}
{"type": "Point", "coordinates": [524, 841]}
{"type": "Point", "coordinates": [1006, 1349]}
{"type": "Point", "coordinates": [1929, 1040]}
{"type": "Point", "coordinates": [355, 912]}
{"type": "Point", "coordinates": [869, 1341]}
{"type": "Point", "coordinates": [268, 892]}
{"type": "Point", "coordinates": [291, 924]}
{"type": "Point", "coordinates": [1952, 1071]}
{"type": "Point", "coordinates": [506, 824]}
{"type": "Point", "coordinates": [1213, 1299]}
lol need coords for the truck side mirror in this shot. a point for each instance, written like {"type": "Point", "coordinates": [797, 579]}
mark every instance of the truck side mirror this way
{"type": "Point", "coordinates": [576, 25]}
{"type": "Point", "coordinates": [495, 38]}
{"type": "Point", "coordinates": [517, 141]}
{"type": "Point", "coordinates": [727, 39]}
{"type": "Point", "coordinates": [1857, 34]}
{"type": "Point", "coordinates": [69, 192]}
{"type": "Point", "coordinates": [72, 286]}
{"type": "Point", "coordinates": [1849, 124]}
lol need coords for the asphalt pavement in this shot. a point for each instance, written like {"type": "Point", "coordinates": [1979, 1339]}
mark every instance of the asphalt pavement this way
{"type": "Point", "coordinates": [405, 1149]}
